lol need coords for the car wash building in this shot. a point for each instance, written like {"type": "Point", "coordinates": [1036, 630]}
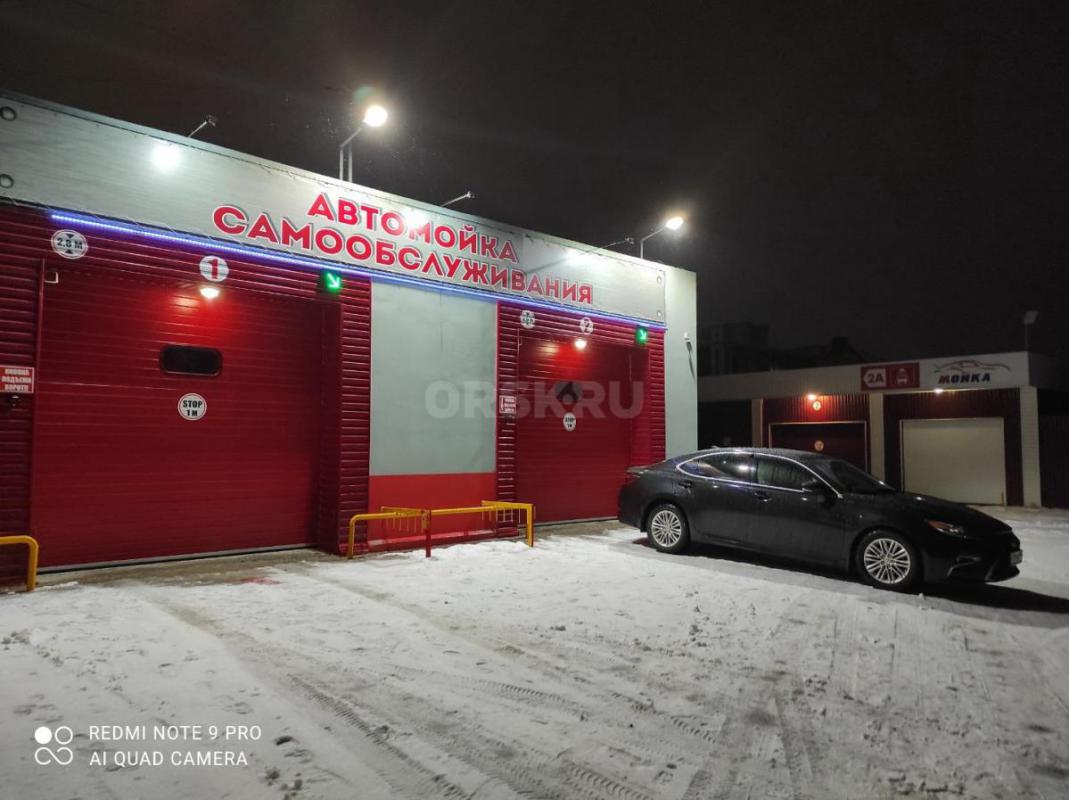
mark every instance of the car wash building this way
{"type": "Point", "coordinates": [985, 429]}
{"type": "Point", "coordinates": [204, 352]}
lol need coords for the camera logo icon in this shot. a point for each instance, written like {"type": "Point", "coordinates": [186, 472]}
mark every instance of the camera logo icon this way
{"type": "Point", "coordinates": [61, 736]}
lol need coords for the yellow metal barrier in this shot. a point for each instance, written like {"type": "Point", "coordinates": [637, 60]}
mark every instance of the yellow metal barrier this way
{"type": "Point", "coordinates": [396, 516]}
{"type": "Point", "coordinates": [489, 508]}
{"type": "Point", "coordinates": [527, 508]}
{"type": "Point", "coordinates": [31, 561]}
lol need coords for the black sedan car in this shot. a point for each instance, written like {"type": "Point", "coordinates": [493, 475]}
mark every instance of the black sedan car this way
{"type": "Point", "coordinates": [819, 510]}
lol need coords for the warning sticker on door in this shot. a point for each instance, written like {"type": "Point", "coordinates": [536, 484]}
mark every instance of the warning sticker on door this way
{"type": "Point", "coordinates": [569, 422]}
{"type": "Point", "coordinates": [16, 380]}
{"type": "Point", "coordinates": [527, 318]}
{"type": "Point", "coordinates": [192, 407]}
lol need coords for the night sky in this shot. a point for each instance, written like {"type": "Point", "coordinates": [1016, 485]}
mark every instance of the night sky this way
{"type": "Point", "coordinates": [893, 172]}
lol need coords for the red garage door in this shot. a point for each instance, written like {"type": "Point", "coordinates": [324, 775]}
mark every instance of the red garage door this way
{"type": "Point", "coordinates": [572, 474]}
{"type": "Point", "coordinates": [121, 472]}
{"type": "Point", "coordinates": [845, 440]}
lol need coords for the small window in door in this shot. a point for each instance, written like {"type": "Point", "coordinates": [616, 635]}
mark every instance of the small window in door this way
{"type": "Point", "coordinates": [180, 359]}
{"type": "Point", "coordinates": [726, 466]}
{"type": "Point", "coordinates": [780, 474]}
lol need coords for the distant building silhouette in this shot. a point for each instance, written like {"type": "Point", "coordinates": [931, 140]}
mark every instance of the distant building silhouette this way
{"type": "Point", "coordinates": [734, 347]}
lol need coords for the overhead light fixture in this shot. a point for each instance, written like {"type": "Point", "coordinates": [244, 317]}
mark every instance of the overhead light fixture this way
{"type": "Point", "coordinates": [416, 218]}
{"type": "Point", "coordinates": [939, 391]}
{"type": "Point", "coordinates": [375, 116]}
{"type": "Point", "coordinates": [165, 156]}
{"type": "Point", "coordinates": [580, 344]}
{"type": "Point", "coordinates": [810, 397]}
{"type": "Point", "coordinates": [468, 195]}
{"type": "Point", "coordinates": [673, 223]}
{"type": "Point", "coordinates": [209, 292]}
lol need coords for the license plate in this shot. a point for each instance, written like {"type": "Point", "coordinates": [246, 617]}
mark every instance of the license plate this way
{"type": "Point", "coordinates": [1015, 557]}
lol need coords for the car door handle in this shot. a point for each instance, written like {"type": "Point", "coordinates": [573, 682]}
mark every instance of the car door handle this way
{"type": "Point", "coordinates": [764, 497]}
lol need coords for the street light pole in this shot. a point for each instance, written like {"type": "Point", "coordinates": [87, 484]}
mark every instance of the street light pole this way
{"type": "Point", "coordinates": [642, 241]}
{"type": "Point", "coordinates": [374, 116]}
{"type": "Point", "coordinates": [345, 150]}
{"type": "Point", "coordinates": [670, 224]}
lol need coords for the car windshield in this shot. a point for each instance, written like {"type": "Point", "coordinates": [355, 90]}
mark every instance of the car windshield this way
{"type": "Point", "coordinates": [849, 478]}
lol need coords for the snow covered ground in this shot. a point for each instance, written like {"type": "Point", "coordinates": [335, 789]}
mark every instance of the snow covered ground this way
{"type": "Point", "coordinates": [588, 667]}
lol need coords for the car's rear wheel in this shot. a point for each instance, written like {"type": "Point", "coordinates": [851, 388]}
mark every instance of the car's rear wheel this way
{"type": "Point", "coordinates": [887, 560]}
{"type": "Point", "coordinates": [668, 529]}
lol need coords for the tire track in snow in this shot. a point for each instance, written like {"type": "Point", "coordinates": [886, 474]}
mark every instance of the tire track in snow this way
{"type": "Point", "coordinates": [464, 741]}
{"type": "Point", "coordinates": [748, 737]}
{"type": "Point", "coordinates": [565, 672]}
{"type": "Point", "coordinates": [404, 774]}
{"type": "Point", "coordinates": [643, 715]}
{"type": "Point", "coordinates": [524, 768]}
{"type": "Point", "coordinates": [795, 742]}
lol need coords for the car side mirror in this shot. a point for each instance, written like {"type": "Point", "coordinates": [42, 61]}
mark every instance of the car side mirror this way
{"type": "Point", "coordinates": [813, 486]}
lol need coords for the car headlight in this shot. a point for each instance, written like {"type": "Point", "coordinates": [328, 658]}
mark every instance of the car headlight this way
{"type": "Point", "coordinates": [946, 527]}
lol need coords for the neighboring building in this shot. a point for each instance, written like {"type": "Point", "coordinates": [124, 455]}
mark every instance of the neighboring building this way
{"type": "Point", "coordinates": [206, 352]}
{"type": "Point", "coordinates": [735, 347]}
{"type": "Point", "coordinates": [990, 428]}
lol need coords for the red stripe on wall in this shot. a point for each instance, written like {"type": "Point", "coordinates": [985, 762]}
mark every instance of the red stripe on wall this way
{"type": "Point", "coordinates": [458, 490]}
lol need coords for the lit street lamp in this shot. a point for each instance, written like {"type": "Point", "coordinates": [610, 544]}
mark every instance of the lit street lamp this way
{"type": "Point", "coordinates": [375, 116]}
{"type": "Point", "coordinates": [671, 224]}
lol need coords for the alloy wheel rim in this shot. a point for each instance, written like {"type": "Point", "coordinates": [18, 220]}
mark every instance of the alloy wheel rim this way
{"type": "Point", "coordinates": [887, 560]}
{"type": "Point", "coordinates": [666, 528]}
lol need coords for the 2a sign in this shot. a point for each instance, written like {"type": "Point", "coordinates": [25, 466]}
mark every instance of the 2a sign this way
{"type": "Point", "coordinates": [16, 380]}
{"type": "Point", "coordinates": [877, 377]}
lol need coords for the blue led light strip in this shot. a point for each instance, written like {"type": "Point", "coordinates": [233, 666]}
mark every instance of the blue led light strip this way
{"type": "Point", "coordinates": [331, 266]}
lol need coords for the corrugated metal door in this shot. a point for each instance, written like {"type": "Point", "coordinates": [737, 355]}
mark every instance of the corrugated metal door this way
{"type": "Point", "coordinates": [955, 459]}
{"type": "Point", "coordinates": [120, 474]}
{"type": "Point", "coordinates": [572, 474]}
{"type": "Point", "coordinates": [845, 440]}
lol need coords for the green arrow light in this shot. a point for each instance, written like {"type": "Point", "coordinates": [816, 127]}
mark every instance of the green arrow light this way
{"type": "Point", "coordinates": [641, 335]}
{"type": "Point", "coordinates": [332, 282]}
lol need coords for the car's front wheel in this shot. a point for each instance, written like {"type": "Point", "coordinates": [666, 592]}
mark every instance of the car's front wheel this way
{"type": "Point", "coordinates": [668, 529]}
{"type": "Point", "coordinates": [887, 560]}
